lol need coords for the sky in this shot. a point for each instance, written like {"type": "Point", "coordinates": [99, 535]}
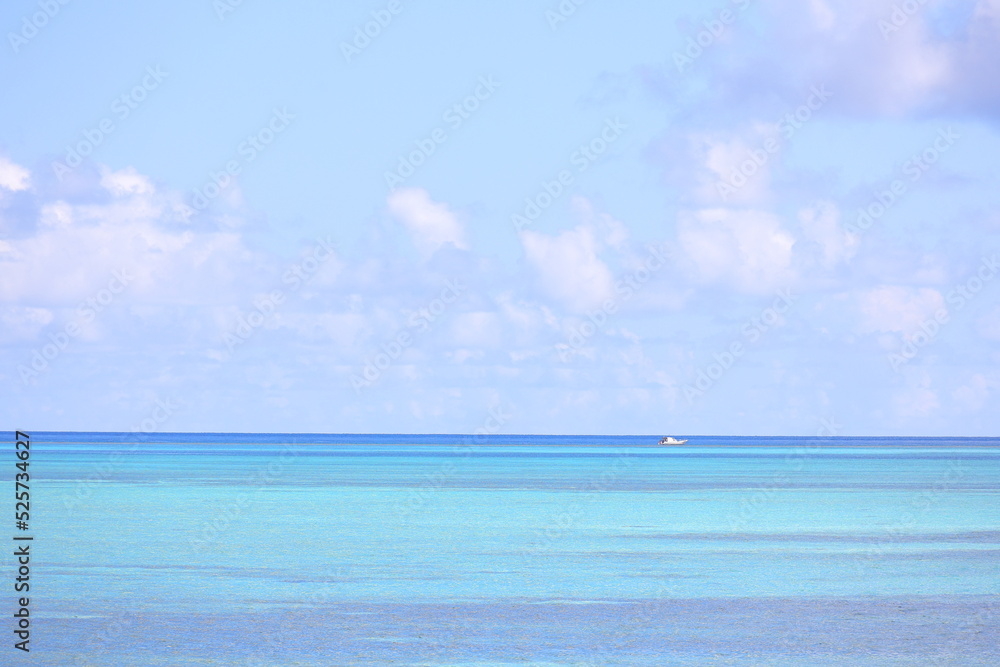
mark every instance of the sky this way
{"type": "Point", "coordinates": [747, 217]}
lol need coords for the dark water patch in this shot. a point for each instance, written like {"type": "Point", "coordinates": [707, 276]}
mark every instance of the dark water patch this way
{"type": "Point", "coordinates": [507, 452]}
{"type": "Point", "coordinates": [982, 536]}
{"type": "Point", "coordinates": [956, 629]}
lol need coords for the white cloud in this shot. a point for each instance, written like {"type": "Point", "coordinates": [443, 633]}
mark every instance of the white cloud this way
{"type": "Point", "coordinates": [526, 323]}
{"type": "Point", "coordinates": [56, 215]}
{"type": "Point", "coordinates": [875, 57]}
{"type": "Point", "coordinates": [974, 63]}
{"type": "Point", "coordinates": [989, 325]}
{"type": "Point", "coordinates": [918, 399]}
{"type": "Point", "coordinates": [912, 68]}
{"type": "Point", "coordinates": [988, 10]}
{"type": "Point", "coordinates": [822, 14]}
{"type": "Point", "coordinates": [747, 250]}
{"type": "Point", "coordinates": [22, 322]}
{"type": "Point", "coordinates": [77, 248]}
{"type": "Point", "coordinates": [730, 174]}
{"type": "Point", "coordinates": [430, 225]}
{"type": "Point", "coordinates": [345, 330]}
{"type": "Point", "coordinates": [973, 396]}
{"type": "Point", "coordinates": [125, 182]}
{"type": "Point", "coordinates": [13, 177]}
{"type": "Point", "coordinates": [820, 225]}
{"type": "Point", "coordinates": [569, 268]}
{"type": "Point", "coordinates": [477, 329]}
{"type": "Point", "coordinates": [614, 232]}
{"type": "Point", "coordinates": [892, 308]}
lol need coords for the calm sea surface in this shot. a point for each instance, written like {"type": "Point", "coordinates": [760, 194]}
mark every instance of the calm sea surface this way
{"type": "Point", "coordinates": [222, 549]}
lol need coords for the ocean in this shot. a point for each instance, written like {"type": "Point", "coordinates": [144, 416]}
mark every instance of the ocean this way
{"type": "Point", "coordinates": [263, 549]}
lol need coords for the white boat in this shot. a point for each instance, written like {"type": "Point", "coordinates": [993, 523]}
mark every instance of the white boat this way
{"type": "Point", "coordinates": [670, 440]}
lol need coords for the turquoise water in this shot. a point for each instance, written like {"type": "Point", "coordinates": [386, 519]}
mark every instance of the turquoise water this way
{"type": "Point", "coordinates": [208, 549]}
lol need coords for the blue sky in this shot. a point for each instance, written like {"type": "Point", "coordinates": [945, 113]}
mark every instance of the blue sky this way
{"type": "Point", "coordinates": [732, 218]}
